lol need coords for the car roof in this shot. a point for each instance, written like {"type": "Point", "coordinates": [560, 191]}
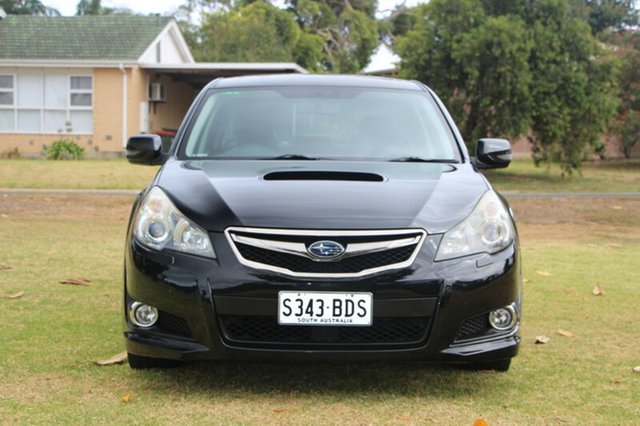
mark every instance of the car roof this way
{"type": "Point", "coordinates": [315, 80]}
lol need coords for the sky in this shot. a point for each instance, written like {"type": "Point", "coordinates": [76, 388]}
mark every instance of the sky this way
{"type": "Point", "coordinates": [68, 7]}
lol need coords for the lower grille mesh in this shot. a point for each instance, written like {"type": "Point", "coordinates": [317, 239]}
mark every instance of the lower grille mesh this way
{"type": "Point", "coordinates": [473, 327]}
{"type": "Point", "coordinates": [173, 324]}
{"type": "Point", "coordinates": [265, 330]}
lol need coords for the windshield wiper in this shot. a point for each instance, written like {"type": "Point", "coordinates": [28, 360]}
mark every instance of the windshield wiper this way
{"type": "Point", "coordinates": [292, 157]}
{"type": "Point", "coordinates": [422, 160]}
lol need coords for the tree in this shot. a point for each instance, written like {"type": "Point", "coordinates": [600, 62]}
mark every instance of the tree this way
{"type": "Point", "coordinates": [478, 64]}
{"type": "Point", "coordinates": [94, 7]}
{"type": "Point", "coordinates": [609, 14]}
{"type": "Point", "coordinates": [346, 29]}
{"type": "Point", "coordinates": [27, 7]}
{"type": "Point", "coordinates": [494, 59]}
{"type": "Point", "coordinates": [626, 124]}
{"type": "Point", "coordinates": [88, 7]}
{"type": "Point", "coordinates": [253, 33]}
{"type": "Point", "coordinates": [509, 68]}
{"type": "Point", "coordinates": [573, 88]}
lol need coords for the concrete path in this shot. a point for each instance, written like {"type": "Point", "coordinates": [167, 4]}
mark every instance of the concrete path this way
{"type": "Point", "coordinates": [512, 195]}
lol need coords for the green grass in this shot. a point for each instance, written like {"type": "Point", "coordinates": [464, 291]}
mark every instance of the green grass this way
{"type": "Point", "coordinates": [521, 176]}
{"type": "Point", "coordinates": [50, 336]}
{"type": "Point", "coordinates": [82, 174]}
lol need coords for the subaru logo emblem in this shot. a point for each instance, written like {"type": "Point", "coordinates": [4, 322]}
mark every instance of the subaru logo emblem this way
{"type": "Point", "coordinates": [325, 250]}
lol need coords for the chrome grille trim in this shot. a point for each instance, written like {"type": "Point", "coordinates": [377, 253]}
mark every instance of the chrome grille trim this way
{"type": "Point", "coordinates": [300, 249]}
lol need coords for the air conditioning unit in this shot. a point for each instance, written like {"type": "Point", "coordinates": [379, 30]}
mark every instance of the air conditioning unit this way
{"type": "Point", "coordinates": [156, 92]}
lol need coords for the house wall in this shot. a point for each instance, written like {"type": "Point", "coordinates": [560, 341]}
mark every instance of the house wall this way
{"type": "Point", "coordinates": [169, 49]}
{"type": "Point", "coordinates": [169, 114]}
{"type": "Point", "coordinates": [107, 136]}
{"type": "Point", "coordinates": [34, 143]}
{"type": "Point", "coordinates": [107, 110]}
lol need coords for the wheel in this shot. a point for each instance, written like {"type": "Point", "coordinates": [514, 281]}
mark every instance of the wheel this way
{"type": "Point", "coordinates": [139, 362]}
{"type": "Point", "coordinates": [499, 365]}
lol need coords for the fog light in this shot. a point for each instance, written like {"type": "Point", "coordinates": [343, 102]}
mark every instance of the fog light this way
{"type": "Point", "coordinates": [503, 318]}
{"type": "Point", "coordinates": [143, 315]}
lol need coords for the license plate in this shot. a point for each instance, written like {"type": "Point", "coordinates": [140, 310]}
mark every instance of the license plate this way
{"type": "Point", "coordinates": [324, 308]}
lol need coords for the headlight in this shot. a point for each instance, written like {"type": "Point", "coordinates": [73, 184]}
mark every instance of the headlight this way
{"type": "Point", "coordinates": [488, 229]}
{"type": "Point", "coordinates": [160, 225]}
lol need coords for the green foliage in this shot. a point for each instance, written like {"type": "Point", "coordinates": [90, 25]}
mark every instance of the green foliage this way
{"type": "Point", "coordinates": [494, 61]}
{"type": "Point", "coordinates": [573, 88]}
{"type": "Point", "coordinates": [347, 31]}
{"type": "Point", "coordinates": [95, 7]}
{"type": "Point", "coordinates": [510, 68]}
{"type": "Point", "coordinates": [27, 7]}
{"type": "Point", "coordinates": [478, 64]}
{"type": "Point", "coordinates": [609, 14]}
{"type": "Point", "coordinates": [320, 35]}
{"type": "Point", "coordinates": [626, 124]}
{"type": "Point", "coordinates": [64, 149]}
{"type": "Point", "coordinates": [253, 33]}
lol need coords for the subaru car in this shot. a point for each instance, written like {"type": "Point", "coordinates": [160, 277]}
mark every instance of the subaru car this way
{"type": "Point", "coordinates": [320, 218]}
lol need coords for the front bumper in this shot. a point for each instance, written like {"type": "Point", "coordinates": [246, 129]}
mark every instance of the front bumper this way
{"type": "Point", "coordinates": [198, 297]}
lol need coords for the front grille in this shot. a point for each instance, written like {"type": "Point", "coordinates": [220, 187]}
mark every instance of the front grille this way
{"type": "Point", "coordinates": [302, 264]}
{"type": "Point", "coordinates": [288, 251]}
{"type": "Point", "coordinates": [265, 331]}
{"type": "Point", "coordinates": [173, 324]}
{"type": "Point", "coordinates": [473, 327]}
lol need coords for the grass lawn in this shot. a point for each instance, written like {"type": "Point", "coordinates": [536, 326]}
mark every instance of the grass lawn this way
{"type": "Point", "coordinates": [50, 336]}
{"type": "Point", "coordinates": [84, 174]}
{"type": "Point", "coordinates": [521, 176]}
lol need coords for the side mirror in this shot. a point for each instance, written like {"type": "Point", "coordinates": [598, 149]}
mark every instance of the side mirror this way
{"type": "Point", "coordinates": [493, 153]}
{"type": "Point", "coordinates": [145, 149]}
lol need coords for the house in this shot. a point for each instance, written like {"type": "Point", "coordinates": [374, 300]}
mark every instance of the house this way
{"type": "Point", "coordinates": [99, 79]}
{"type": "Point", "coordinates": [383, 62]}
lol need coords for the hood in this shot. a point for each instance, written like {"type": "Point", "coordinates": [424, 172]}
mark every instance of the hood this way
{"type": "Point", "coordinates": [322, 194]}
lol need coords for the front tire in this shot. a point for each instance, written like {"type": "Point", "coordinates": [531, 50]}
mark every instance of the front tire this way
{"type": "Point", "coordinates": [139, 362]}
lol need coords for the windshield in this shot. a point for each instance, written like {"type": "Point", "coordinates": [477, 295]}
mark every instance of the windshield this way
{"type": "Point", "coordinates": [306, 123]}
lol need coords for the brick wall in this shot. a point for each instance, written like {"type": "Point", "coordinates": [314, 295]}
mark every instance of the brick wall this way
{"type": "Point", "coordinates": [107, 116]}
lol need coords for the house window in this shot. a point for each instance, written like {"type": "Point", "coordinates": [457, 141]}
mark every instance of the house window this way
{"type": "Point", "coordinates": [46, 103]}
{"type": "Point", "coordinates": [7, 96]}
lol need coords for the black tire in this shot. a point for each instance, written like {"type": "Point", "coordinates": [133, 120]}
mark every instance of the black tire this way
{"type": "Point", "coordinates": [500, 365]}
{"type": "Point", "coordinates": [139, 362]}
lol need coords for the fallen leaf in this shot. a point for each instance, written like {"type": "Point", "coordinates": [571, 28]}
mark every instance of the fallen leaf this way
{"type": "Point", "coordinates": [480, 422]}
{"type": "Point", "coordinates": [543, 273]}
{"type": "Point", "coordinates": [617, 207]}
{"type": "Point", "coordinates": [17, 295]}
{"type": "Point", "coordinates": [565, 333]}
{"type": "Point", "coordinates": [614, 245]}
{"type": "Point", "coordinates": [279, 410]}
{"type": "Point", "coordinates": [542, 340]}
{"type": "Point", "coordinates": [126, 398]}
{"type": "Point", "coordinates": [636, 369]}
{"type": "Point", "coordinates": [116, 359]}
{"type": "Point", "coordinates": [617, 381]}
{"type": "Point", "coordinates": [5, 267]}
{"type": "Point", "coordinates": [76, 281]}
{"type": "Point", "coordinates": [598, 290]}
{"type": "Point", "coordinates": [525, 280]}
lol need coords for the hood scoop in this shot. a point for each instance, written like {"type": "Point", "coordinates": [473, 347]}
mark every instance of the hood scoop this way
{"type": "Point", "coordinates": [324, 175]}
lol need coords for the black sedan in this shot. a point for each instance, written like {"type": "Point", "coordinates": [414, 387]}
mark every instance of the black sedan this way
{"type": "Point", "coordinates": [320, 218]}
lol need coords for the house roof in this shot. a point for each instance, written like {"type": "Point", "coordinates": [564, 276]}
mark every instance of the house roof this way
{"type": "Point", "coordinates": [115, 37]}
